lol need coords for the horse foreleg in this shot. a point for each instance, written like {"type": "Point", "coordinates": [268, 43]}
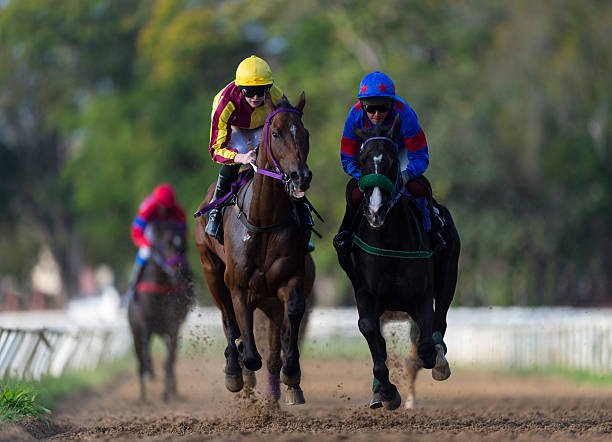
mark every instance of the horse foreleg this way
{"type": "Point", "coordinates": [142, 337]}
{"type": "Point", "coordinates": [369, 326]}
{"type": "Point", "coordinates": [251, 358]}
{"type": "Point", "coordinates": [274, 362]}
{"type": "Point", "coordinates": [295, 307]}
{"type": "Point", "coordinates": [413, 365]}
{"type": "Point", "coordinates": [444, 290]}
{"type": "Point", "coordinates": [233, 372]}
{"type": "Point", "coordinates": [423, 316]}
{"type": "Point", "coordinates": [170, 380]}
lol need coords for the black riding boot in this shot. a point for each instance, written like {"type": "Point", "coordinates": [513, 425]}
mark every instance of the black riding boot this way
{"type": "Point", "coordinates": [305, 219]}
{"type": "Point", "coordinates": [343, 241]}
{"type": "Point", "coordinates": [133, 282]}
{"type": "Point", "coordinates": [214, 226]}
{"type": "Point", "coordinates": [437, 227]}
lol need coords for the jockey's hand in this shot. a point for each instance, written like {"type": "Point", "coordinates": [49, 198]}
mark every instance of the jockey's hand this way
{"type": "Point", "coordinates": [245, 158]}
{"type": "Point", "coordinates": [144, 252]}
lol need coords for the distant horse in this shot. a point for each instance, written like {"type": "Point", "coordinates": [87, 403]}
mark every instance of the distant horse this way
{"type": "Point", "coordinates": [264, 262]}
{"type": "Point", "coordinates": [163, 298]}
{"type": "Point", "coordinates": [392, 268]}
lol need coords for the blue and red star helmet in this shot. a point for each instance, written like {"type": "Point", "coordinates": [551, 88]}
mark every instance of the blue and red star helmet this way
{"type": "Point", "coordinates": [164, 195]}
{"type": "Point", "coordinates": [376, 84]}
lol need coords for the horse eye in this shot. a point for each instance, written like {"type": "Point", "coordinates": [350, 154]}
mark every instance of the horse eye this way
{"type": "Point", "coordinates": [276, 135]}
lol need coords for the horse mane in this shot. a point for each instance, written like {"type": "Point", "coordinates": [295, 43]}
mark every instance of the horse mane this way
{"type": "Point", "coordinates": [375, 131]}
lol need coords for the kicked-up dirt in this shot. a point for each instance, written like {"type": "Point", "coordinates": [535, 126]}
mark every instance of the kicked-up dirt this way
{"type": "Point", "coordinates": [469, 406]}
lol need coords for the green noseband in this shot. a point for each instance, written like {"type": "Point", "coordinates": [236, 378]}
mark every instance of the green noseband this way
{"type": "Point", "coordinates": [376, 180]}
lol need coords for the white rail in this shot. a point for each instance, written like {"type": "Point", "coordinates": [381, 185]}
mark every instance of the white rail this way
{"type": "Point", "coordinates": [39, 343]}
{"type": "Point", "coordinates": [487, 337]}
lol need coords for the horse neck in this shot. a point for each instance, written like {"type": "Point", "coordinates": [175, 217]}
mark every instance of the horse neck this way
{"type": "Point", "coordinates": [155, 274]}
{"type": "Point", "coordinates": [399, 228]}
{"type": "Point", "coordinates": [270, 203]}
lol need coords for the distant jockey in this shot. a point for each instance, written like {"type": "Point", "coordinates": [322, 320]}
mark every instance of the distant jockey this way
{"type": "Point", "coordinates": [160, 205]}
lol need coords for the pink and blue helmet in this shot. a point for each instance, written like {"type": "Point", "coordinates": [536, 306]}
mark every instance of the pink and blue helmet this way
{"type": "Point", "coordinates": [376, 84]}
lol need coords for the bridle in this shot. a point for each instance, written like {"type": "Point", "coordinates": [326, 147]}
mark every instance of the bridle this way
{"type": "Point", "coordinates": [397, 190]}
{"type": "Point", "coordinates": [381, 180]}
{"type": "Point", "coordinates": [277, 174]}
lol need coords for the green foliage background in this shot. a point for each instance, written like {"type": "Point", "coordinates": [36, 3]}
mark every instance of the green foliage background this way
{"type": "Point", "coordinates": [101, 100]}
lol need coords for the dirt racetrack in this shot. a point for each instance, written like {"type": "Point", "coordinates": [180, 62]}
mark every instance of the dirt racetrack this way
{"type": "Point", "coordinates": [469, 406]}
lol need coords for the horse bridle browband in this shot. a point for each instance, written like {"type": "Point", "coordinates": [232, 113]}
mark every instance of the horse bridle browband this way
{"type": "Point", "coordinates": [378, 138]}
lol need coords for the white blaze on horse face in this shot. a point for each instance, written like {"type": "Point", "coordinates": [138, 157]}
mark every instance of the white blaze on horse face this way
{"type": "Point", "coordinates": [293, 131]}
{"type": "Point", "coordinates": [375, 200]}
{"type": "Point", "coordinates": [376, 197]}
{"type": "Point", "coordinates": [377, 161]}
{"type": "Point", "coordinates": [296, 192]}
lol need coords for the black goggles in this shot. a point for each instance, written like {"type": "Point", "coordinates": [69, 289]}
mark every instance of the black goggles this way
{"type": "Point", "coordinates": [252, 91]}
{"type": "Point", "coordinates": [373, 108]}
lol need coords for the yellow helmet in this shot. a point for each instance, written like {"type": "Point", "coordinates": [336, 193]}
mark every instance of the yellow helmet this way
{"type": "Point", "coordinates": [253, 71]}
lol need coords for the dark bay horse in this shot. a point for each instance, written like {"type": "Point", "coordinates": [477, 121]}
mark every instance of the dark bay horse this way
{"type": "Point", "coordinates": [392, 268]}
{"type": "Point", "coordinates": [264, 262]}
{"type": "Point", "coordinates": [163, 298]}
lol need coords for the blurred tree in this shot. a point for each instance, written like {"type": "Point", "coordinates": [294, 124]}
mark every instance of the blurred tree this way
{"type": "Point", "coordinates": [59, 54]}
{"type": "Point", "coordinates": [105, 100]}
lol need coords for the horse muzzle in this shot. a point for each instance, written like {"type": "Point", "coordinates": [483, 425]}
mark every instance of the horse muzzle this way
{"type": "Point", "coordinates": [375, 220]}
{"type": "Point", "coordinates": [298, 183]}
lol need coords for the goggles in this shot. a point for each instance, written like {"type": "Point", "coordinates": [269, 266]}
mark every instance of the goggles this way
{"type": "Point", "coordinates": [380, 108]}
{"type": "Point", "coordinates": [252, 91]}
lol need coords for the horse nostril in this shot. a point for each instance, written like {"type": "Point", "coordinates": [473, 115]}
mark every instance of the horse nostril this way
{"type": "Point", "coordinates": [307, 177]}
{"type": "Point", "coordinates": [295, 177]}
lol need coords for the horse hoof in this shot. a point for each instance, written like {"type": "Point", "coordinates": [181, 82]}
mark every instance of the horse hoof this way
{"type": "Point", "coordinates": [376, 401]}
{"type": "Point", "coordinates": [294, 396]}
{"type": "Point", "coordinates": [441, 370]}
{"type": "Point", "coordinates": [393, 403]}
{"type": "Point", "coordinates": [250, 380]}
{"type": "Point", "coordinates": [234, 383]}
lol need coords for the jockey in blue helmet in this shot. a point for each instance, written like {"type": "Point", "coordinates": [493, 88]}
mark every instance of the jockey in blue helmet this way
{"type": "Point", "coordinates": [378, 104]}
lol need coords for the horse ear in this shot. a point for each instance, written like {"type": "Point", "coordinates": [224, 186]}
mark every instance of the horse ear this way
{"type": "Point", "coordinates": [301, 102]}
{"type": "Point", "coordinates": [360, 133]}
{"type": "Point", "coordinates": [395, 127]}
{"type": "Point", "coordinates": [269, 104]}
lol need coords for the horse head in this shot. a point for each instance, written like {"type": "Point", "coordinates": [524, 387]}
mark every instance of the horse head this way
{"type": "Point", "coordinates": [286, 145]}
{"type": "Point", "coordinates": [380, 171]}
{"type": "Point", "coordinates": [169, 250]}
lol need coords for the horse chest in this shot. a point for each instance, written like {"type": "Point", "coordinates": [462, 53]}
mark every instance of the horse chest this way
{"type": "Point", "coordinates": [398, 284]}
{"type": "Point", "coordinates": [266, 276]}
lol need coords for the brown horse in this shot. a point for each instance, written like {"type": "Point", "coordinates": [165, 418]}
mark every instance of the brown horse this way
{"type": "Point", "coordinates": [162, 301]}
{"type": "Point", "coordinates": [264, 262]}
